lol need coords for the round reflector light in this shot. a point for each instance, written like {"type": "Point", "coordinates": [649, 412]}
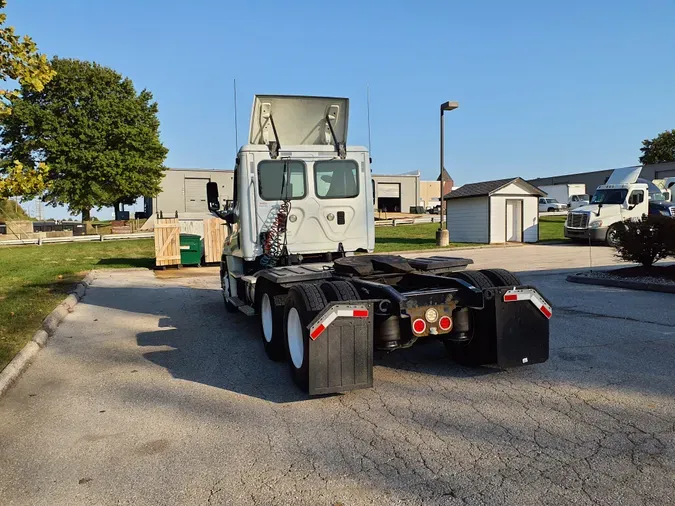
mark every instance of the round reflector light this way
{"type": "Point", "coordinates": [431, 315]}
{"type": "Point", "coordinates": [419, 326]}
{"type": "Point", "coordinates": [445, 323]}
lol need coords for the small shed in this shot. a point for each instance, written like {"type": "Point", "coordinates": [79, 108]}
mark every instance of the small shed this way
{"type": "Point", "coordinates": [505, 210]}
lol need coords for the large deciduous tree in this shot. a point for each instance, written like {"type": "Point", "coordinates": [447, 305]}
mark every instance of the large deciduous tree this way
{"type": "Point", "coordinates": [20, 62]}
{"type": "Point", "coordinates": [660, 149]}
{"type": "Point", "coordinates": [97, 135]}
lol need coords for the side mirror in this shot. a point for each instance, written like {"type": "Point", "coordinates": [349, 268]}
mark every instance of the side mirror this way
{"type": "Point", "coordinates": [212, 196]}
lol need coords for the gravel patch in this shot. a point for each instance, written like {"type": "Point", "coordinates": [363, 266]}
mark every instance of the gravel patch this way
{"type": "Point", "coordinates": [638, 279]}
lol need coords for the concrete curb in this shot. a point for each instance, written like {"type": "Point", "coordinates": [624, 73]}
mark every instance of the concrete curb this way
{"type": "Point", "coordinates": [49, 325]}
{"type": "Point", "coordinates": [618, 283]}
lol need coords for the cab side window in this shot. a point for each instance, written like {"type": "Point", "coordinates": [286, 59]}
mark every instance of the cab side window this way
{"type": "Point", "coordinates": [636, 197]}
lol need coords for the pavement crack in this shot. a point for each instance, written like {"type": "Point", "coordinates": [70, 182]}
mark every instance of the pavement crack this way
{"type": "Point", "coordinates": [571, 310]}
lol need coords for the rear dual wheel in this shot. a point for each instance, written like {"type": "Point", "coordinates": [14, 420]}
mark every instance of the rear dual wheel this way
{"type": "Point", "coordinates": [270, 302]}
{"type": "Point", "coordinates": [303, 303]}
{"type": "Point", "coordinates": [481, 347]}
{"type": "Point", "coordinates": [501, 277]}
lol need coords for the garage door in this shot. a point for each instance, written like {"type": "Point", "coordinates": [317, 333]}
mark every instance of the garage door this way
{"type": "Point", "coordinates": [389, 190]}
{"type": "Point", "coordinates": [195, 195]}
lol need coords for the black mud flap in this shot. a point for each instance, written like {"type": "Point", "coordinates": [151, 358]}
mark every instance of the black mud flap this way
{"type": "Point", "coordinates": [341, 348]}
{"type": "Point", "coordinates": [521, 326]}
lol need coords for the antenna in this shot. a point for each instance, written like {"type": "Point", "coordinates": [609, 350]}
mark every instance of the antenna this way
{"type": "Point", "coordinates": [236, 135]}
{"type": "Point", "coordinates": [370, 152]}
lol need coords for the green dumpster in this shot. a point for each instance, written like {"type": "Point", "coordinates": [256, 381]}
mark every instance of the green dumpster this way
{"type": "Point", "coordinates": [191, 249]}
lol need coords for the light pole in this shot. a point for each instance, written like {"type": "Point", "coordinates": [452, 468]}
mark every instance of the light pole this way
{"type": "Point", "coordinates": [442, 234]}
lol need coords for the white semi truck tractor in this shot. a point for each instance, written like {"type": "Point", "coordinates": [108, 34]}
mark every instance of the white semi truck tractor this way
{"type": "Point", "coordinates": [298, 256]}
{"type": "Point", "coordinates": [621, 198]}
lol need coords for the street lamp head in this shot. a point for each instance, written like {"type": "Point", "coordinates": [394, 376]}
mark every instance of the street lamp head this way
{"type": "Point", "coordinates": [449, 106]}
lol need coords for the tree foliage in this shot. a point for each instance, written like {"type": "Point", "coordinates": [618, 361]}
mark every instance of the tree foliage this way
{"type": "Point", "coordinates": [20, 62]}
{"type": "Point", "coordinates": [660, 149]}
{"type": "Point", "coordinates": [647, 240]}
{"type": "Point", "coordinates": [97, 135]}
{"type": "Point", "coordinates": [20, 180]}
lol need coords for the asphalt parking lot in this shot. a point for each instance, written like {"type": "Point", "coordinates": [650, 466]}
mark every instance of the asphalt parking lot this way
{"type": "Point", "coordinates": [149, 393]}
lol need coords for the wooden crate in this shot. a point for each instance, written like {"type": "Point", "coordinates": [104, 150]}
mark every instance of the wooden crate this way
{"type": "Point", "coordinates": [167, 242]}
{"type": "Point", "coordinates": [215, 232]}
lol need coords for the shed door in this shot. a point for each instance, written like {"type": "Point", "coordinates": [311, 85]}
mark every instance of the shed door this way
{"type": "Point", "coordinates": [514, 221]}
{"type": "Point", "coordinates": [195, 195]}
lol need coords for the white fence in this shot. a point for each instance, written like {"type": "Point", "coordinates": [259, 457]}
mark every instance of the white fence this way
{"type": "Point", "coordinates": [408, 221]}
{"type": "Point", "coordinates": [78, 238]}
{"type": "Point", "coordinates": [436, 219]}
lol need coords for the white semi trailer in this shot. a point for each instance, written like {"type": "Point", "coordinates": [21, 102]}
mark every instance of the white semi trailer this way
{"type": "Point", "coordinates": [301, 217]}
{"type": "Point", "coordinates": [572, 195]}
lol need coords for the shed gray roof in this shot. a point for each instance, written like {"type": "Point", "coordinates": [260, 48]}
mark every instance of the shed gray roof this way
{"type": "Point", "coordinates": [486, 188]}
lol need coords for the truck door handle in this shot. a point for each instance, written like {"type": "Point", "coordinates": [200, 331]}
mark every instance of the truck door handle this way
{"type": "Point", "coordinates": [340, 217]}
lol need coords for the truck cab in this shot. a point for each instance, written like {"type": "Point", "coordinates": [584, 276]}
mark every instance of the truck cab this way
{"type": "Point", "coordinates": [667, 188]}
{"type": "Point", "coordinates": [576, 201]}
{"type": "Point", "coordinates": [301, 194]}
{"type": "Point", "coordinates": [620, 199]}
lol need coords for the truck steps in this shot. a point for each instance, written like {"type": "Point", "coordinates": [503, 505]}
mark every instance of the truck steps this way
{"type": "Point", "coordinates": [246, 309]}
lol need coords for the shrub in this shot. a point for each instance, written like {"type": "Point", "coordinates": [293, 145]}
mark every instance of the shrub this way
{"type": "Point", "coordinates": [647, 240]}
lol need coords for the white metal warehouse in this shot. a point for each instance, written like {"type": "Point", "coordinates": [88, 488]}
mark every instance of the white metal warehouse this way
{"type": "Point", "coordinates": [184, 190]}
{"type": "Point", "coordinates": [396, 193]}
{"type": "Point", "coordinates": [506, 210]}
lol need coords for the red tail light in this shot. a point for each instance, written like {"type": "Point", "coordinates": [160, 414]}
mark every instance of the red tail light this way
{"type": "Point", "coordinates": [445, 323]}
{"type": "Point", "coordinates": [419, 326]}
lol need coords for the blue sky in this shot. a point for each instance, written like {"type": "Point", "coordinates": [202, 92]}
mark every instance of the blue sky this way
{"type": "Point", "coordinates": [544, 87]}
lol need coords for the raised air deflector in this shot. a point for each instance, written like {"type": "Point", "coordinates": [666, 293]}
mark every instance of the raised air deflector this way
{"type": "Point", "coordinates": [283, 120]}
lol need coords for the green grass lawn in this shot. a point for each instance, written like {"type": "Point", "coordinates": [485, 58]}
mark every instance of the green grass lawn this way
{"type": "Point", "coordinates": [551, 228]}
{"type": "Point", "coordinates": [35, 279]}
{"type": "Point", "coordinates": [409, 237]}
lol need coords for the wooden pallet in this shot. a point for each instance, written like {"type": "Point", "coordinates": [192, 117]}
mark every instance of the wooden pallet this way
{"type": "Point", "coordinates": [215, 232]}
{"type": "Point", "coordinates": [167, 242]}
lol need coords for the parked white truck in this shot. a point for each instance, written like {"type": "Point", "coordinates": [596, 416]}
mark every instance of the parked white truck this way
{"type": "Point", "coordinates": [667, 187]}
{"type": "Point", "coordinates": [572, 195]}
{"type": "Point", "coordinates": [621, 198]}
{"type": "Point", "coordinates": [303, 208]}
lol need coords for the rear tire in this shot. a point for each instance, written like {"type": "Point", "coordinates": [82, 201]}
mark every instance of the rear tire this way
{"type": "Point", "coordinates": [337, 291]}
{"type": "Point", "coordinates": [481, 348]}
{"type": "Point", "coordinates": [270, 302]}
{"type": "Point", "coordinates": [304, 302]}
{"type": "Point", "coordinates": [475, 278]}
{"type": "Point", "coordinates": [501, 277]}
